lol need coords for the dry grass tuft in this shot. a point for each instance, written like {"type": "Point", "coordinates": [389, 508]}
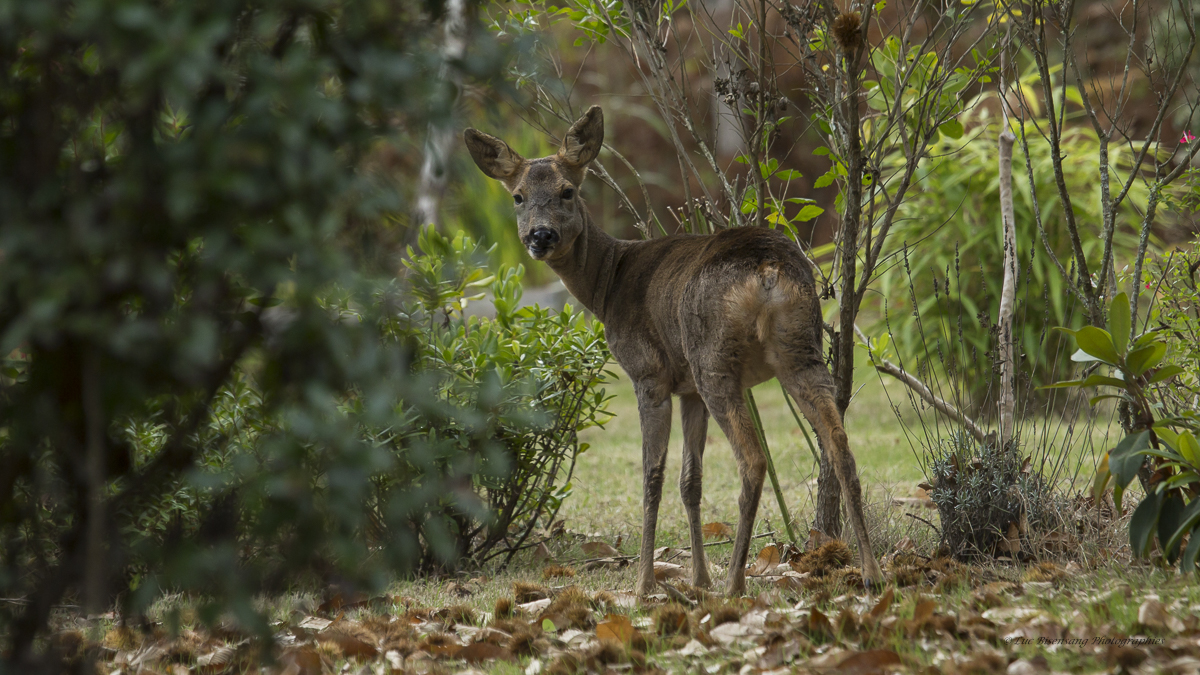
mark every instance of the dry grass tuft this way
{"type": "Point", "coordinates": [604, 600]}
{"type": "Point", "coordinates": [523, 642]}
{"type": "Point", "coordinates": [607, 652]}
{"type": "Point", "coordinates": [558, 572]}
{"type": "Point", "coordinates": [1045, 571]}
{"type": "Point", "coordinates": [524, 592]}
{"type": "Point", "coordinates": [503, 608]}
{"type": "Point", "coordinates": [122, 638]}
{"type": "Point", "coordinates": [456, 614]}
{"type": "Point", "coordinates": [671, 619]}
{"type": "Point", "coordinates": [719, 612]}
{"type": "Point", "coordinates": [832, 555]}
{"type": "Point", "coordinates": [565, 664]}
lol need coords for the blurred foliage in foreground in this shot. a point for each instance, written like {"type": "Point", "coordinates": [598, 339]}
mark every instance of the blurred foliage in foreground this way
{"type": "Point", "coordinates": [198, 391]}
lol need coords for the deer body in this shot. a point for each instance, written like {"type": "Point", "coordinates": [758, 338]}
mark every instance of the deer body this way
{"type": "Point", "coordinates": [701, 317]}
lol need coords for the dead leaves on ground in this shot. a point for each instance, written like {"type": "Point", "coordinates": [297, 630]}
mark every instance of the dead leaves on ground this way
{"type": "Point", "coordinates": [826, 625]}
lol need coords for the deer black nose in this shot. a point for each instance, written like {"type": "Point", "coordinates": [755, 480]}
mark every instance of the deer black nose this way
{"type": "Point", "coordinates": [543, 238]}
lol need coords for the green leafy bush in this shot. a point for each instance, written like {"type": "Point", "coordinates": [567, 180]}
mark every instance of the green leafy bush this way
{"type": "Point", "coordinates": [506, 398]}
{"type": "Point", "coordinates": [1161, 449]}
{"type": "Point", "coordinates": [533, 373]}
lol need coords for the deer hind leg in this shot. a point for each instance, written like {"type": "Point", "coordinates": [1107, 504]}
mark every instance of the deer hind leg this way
{"type": "Point", "coordinates": [695, 431]}
{"type": "Point", "coordinates": [654, 411]}
{"type": "Point", "coordinates": [813, 390]}
{"type": "Point", "coordinates": [723, 397]}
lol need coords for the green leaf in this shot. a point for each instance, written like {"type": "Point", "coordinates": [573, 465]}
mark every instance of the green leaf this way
{"type": "Point", "coordinates": [1096, 380]}
{"type": "Point", "coordinates": [1143, 522]}
{"type": "Point", "coordinates": [952, 129]}
{"type": "Point", "coordinates": [808, 213]}
{"type": "Point", "coordinates": [1118, 322]}
{"type": "Point", "coordinates": [548, 626]}
{"type": "Point", "coordinates": [1170, 517]}
{"type": "Point", "coordinates": [1081, 356]}
{"type": "Point", "coordinates": [1188, 448]}
{"type": "Point", "coordinates": [1124, 460]}
{"type": "Point", "coordinates": [1142, 359]}
{"type": "Point", "coordinates": [1164, 373]}
{"type": "Point", "coordinates": [1103, 476]}
{"type": "Point", "coordinates": [1065, 384]}
{"type": "Point", "coordinates": [1098, 343]}
{"type": "Point", "coordinates": [1188, 561]}
{"type": "Point", "coordinates": [1096, 399]}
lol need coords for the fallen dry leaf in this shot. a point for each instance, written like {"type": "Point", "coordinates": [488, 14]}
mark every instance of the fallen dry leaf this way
{"type": "Point", "coordinates": [484, 651]}
{"type": "Point", "coordinates": [337, 600]}
{"type": "Point", "coordinates": [816, 539]}
{"type": "Point", "coordinates": [767, 559]}
{"type": "Point", "coordinates": [304, 660]}
{"type": "Point", "coordinates": [881, 607]}
{"type": "Point", "coordinates": [868, 663]}
{"type": "Point", "coordinates": [616, 627]}
{"type": "Point", "coordinates": [351, 645]}
{"type": "Point", "coordinates": [315, 623]}
{"type": "Point", "coordinates": [717, 531]}
{"type": "Point", "coordinates": [1154, 615]}
{"type": "Point", "coordinates": [600, 549]}
{"type": "Point", "coordinates": [924, 610]}
{"type": "Point", "coordinates": [666, 570]}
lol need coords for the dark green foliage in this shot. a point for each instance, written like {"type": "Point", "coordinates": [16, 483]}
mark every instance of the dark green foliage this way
{"type": "Point", "coordinates": [1161, 448]}
{"type": "Point", "coordinates": [173, 179]}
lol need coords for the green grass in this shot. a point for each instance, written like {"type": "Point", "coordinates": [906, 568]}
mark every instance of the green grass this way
{"type": "Point", "coordinates": [607, 495]}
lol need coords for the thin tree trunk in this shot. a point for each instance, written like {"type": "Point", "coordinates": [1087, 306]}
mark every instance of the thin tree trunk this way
{"type": "Point", "coordinates": [442, 129]}
{"type": "Point", "coordinates": [95, 571]}
{"type": "Point", "coordinates": [1008, 363]}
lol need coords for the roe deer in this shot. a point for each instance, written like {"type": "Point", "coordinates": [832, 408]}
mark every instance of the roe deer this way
{"type": "Point", "coordinates": [698, 316]}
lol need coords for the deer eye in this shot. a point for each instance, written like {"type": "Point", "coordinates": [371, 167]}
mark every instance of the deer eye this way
{"type": "Point", "coordinates": [517, 199]}
{"type": "Point", "coordinates": [568, 193]}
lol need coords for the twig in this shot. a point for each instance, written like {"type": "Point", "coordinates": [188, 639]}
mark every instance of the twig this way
{"type": "Point", "coordinates": [941, 405]}
{"type": "Point", "coordinates": [675, 595]}
{"type": "Point", "coordinates": [762, 440]}
{"type": "Point", "coordinates": [916, 517]}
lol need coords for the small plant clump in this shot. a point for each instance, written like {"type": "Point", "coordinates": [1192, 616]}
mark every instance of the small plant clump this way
{"type": "Point", "coordinates": [987, 496]}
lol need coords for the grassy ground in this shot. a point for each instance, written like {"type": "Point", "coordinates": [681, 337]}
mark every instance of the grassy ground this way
{"type": "Point", "coordinates": [1072, 612]}
{"type": "Point", "coordinates": [607, 496]}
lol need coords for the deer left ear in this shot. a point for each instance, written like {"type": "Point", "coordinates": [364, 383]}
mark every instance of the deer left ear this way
{"type": "Point", "coordinates": [582, 143]}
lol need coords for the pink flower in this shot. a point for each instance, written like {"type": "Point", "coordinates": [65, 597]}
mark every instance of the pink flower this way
{"type": "Point", "coordinates": [1147, 285]}
{"type": "Point", "coordinates": [1187, 137]}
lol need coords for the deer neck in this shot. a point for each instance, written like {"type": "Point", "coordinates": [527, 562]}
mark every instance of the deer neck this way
{"type": "Point", "coordinates": [589, 267]}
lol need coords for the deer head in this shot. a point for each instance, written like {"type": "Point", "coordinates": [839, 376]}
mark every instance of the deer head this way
{"type": "Point", "coordinates": [550, 212]}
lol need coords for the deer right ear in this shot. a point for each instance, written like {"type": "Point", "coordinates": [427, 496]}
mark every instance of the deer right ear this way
{"type": "Point", "coordinates": [492, 155]}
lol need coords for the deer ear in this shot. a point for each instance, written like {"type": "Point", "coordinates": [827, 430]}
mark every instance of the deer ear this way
{"type": "Point", "coordinates": [492, 155]}
{"type": "Point", "coordinates": [582, 142]}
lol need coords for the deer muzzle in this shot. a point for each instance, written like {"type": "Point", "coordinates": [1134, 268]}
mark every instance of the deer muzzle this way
{"type": "Point", "coordinates": [540, 241]}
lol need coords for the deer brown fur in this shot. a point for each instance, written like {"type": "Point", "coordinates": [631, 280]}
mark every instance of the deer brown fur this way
{"type": "Point", "coordinates": [701, 317]}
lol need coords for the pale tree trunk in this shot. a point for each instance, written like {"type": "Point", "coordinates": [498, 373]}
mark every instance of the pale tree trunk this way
{"type": "Point", "coordinates": [1008, 363]}
{"type": "Point", "coordinates": [1007, 400]}
{"type": "Point", "coordinates": [442, 127]}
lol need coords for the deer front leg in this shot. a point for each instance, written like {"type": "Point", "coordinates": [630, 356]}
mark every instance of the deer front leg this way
{"type": "Point", "coordinates": [695, 432]}
{"type": "Point", "coordinates": [654, 410]}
